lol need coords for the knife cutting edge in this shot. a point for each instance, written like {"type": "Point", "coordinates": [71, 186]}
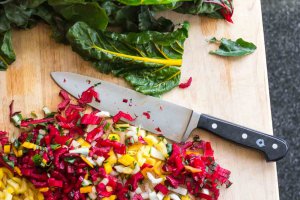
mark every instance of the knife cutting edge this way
{"type": "Point", "coordinates": [173, 121]}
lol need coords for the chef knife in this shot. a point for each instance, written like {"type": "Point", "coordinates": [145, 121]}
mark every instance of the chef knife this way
{"type": "Point", "coordinates": [173, 121]}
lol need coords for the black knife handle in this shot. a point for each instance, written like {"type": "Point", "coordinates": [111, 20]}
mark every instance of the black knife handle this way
{"type": "Point", "coordinates": [273, 147]}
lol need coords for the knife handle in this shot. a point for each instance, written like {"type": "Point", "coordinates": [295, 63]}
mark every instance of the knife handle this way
{"type": "Point", "coordinates": [273, 147]}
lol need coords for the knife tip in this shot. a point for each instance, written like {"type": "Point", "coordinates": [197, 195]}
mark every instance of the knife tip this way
{"type": "Point", "coordinates": [52, 74]}
{"type": "Point", "coordinates": [55, 76]}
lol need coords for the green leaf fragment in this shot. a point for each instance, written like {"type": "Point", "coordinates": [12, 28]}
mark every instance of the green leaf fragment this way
{"type": "Point", "coordinates": [55, 146]}
{"type": "Point", "coordinates": [70, 160]}
{"type": "Point", "coordinates": [169, 148]}
{"type": "Point", "coordinates": [37, 159]}
{"type": "Point", "coordinates": [9, 162]}
{"type": "Point", "coordinates": [7, 54]}
{"type": "Point", "coordinates": [231, 48]}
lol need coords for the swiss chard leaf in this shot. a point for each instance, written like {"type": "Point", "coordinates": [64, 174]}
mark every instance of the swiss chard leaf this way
{"type": "Point", "coordinates": [19, 15]}
{"type": "Point", "coordinates": [212, 8]}
{"type": "Point", "coordinates": [149, 2]}
{"type": "Point", "coordinates": [135, 18]}
{"type": "Point", "coordinates": [231, 48]}
{"type": "Point", "coordinates": [150, 61]}
{"type": "Point", "coordinates": [7, 54]}
{"type": "Point", "coordinates": [147, 21]}
{"type": "Point", "coordinates": [79, 10]}
{"type": "Point", "coordinates": [4, 22]}
{"type": "Point", "coordinates": [57, 23]}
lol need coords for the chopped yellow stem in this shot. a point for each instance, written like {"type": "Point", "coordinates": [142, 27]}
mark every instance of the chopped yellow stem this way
{"type": "Point", "coordinates": [86, 189]}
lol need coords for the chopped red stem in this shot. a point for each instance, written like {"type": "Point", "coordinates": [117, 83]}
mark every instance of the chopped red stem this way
{"type": "Point", "coordinates": [147, 114]}
{"type": "Point", "coordinates": [37, 121]}
{"type": "Point", "coordinates": [186, 84]}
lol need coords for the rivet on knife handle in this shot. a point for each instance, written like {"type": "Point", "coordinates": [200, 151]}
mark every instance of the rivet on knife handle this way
{"type": "Point", "coordinates": [273, 147]}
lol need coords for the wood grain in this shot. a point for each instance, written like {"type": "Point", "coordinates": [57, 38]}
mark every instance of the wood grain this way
{"type": "Point", "coordinates": [233, 89]}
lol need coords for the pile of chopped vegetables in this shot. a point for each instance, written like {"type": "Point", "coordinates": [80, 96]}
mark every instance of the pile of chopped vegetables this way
{"type": "Point", "coordinates": [16, 188]}
{"type": "Point", "coordinates": [78, 153]}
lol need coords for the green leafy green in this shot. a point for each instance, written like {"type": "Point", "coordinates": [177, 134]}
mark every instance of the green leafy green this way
{"type": "Point", "coordinates": [169, 148]}
{"type": "Point", "coordinates": [22, 19]}
{"type": "Point", "coordinates": [144, 49]}
{"type": "Point", "coordinates": [79, 10]}
{"type": "Point", "coordinates": [37, 159]}
{"type": "Point", "coordinates": [212, 8]}
{"type": "Point", "coordinates": [222, 9]}
{"type": "Point", "coordinates": [135, 18]}
{"type": "Point", "coordinates": [9, 162]}
{"type": "Point", "coordinates": [228, 47]}
{"type": "Point", "coordinates": [147, 21]}
{"type": "Point", "coordinates": [7, 54]}
{"type": "Point", "coordinates": [70, 160]}
{"type": "Point", "coordinates": [150, 61]}
{"type": "Point", "coordinates": [55, 146]}
{"type": "Point", "coordinates": [149, 2]}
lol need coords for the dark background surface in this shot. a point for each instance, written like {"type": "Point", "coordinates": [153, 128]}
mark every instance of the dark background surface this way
{"type": "Point", "coordinates": [282, 37]}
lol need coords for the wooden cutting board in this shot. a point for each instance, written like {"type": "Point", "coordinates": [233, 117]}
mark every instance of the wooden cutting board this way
{"type": "Point", "coordinates": [235, 89]}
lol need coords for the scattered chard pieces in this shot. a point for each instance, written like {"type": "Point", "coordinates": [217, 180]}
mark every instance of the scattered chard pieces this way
{"type": "Point", "coordinates": [26, 123]}
{"type": "Point", "coordinates": [88, 95]}
{"type": "Point", "coordinates": [158, 129]}
{"type": "Point", "coordinates": [147, 114]}
{"type": "Point", "coordinates": [66, 100]}
{"type": "Point", "coordinates": [123, 115]}
{"type": "Point", "coordinates": [84, 154]}
{"type": "Point", "coordinates": [3, 137]}
{"type": "Point", "coordinates": [186, 84]}
{"type": "Point", "coordinates": [229, 48]}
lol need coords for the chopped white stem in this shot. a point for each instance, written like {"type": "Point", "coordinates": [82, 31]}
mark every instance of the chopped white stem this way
{"type": "Point", "coordinates": [75, 144]}
{"type": "Point", "coordinates": [135, 138]}
{"type": "Point", "coordinates": [83, 151]}
{"type": "Point", "coordinates": [100, 160]}
{"type": "Point", "coordinates": [145, 195]}
{"type": "Point", "coordinates": [174, 197]}
{"type": "Point", "coordinates": [17, 119]}
{"type": "Point", "coordinates": [42, 132]}
{"type": "Point", "coordinates": [104, 181]}
{"type": "Point", "coordinates": [136, 169]}
{"type": "Point", "coordinates": [157, 154]}
{"type": "Point", "coordinates": [46, 110]}
{"type": "Point", "coordinates": [130, 134]}
{"type": "Point", "coordinates": [205, 191]}
{"type": "Point", "coordinates": [160, 196]}
{"type": "Point", "coordinates": [142, 133]}
{"type": "Point", "coordinates": [103, 114]}
{"type": "Point", "coordinates": [154, 180]}
{"type": "Point", "coordinates": [138, 190]}
{"type": "Point", "coordinates": [122, 169]}
{"type": "Point", "coordinates": [153, 196]}
{"type": "Point", "coordinates": [91, 160]}
{"type": "Point", "coordinates": [89, 128]}
{"type": "Point", "coordinates": [94, 143]}
{"type": "Point", "coordinates": [132, 128]}
{"type": "Point", "coordinates": [93, 194]}
{"type": "Point", "coordinates": [179, 190]}
{"type": "Point", "coordinates": [86, 182]}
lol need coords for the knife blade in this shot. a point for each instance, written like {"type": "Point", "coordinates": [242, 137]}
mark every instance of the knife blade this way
{"type": "Point", "coordinates": [173, 121]}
